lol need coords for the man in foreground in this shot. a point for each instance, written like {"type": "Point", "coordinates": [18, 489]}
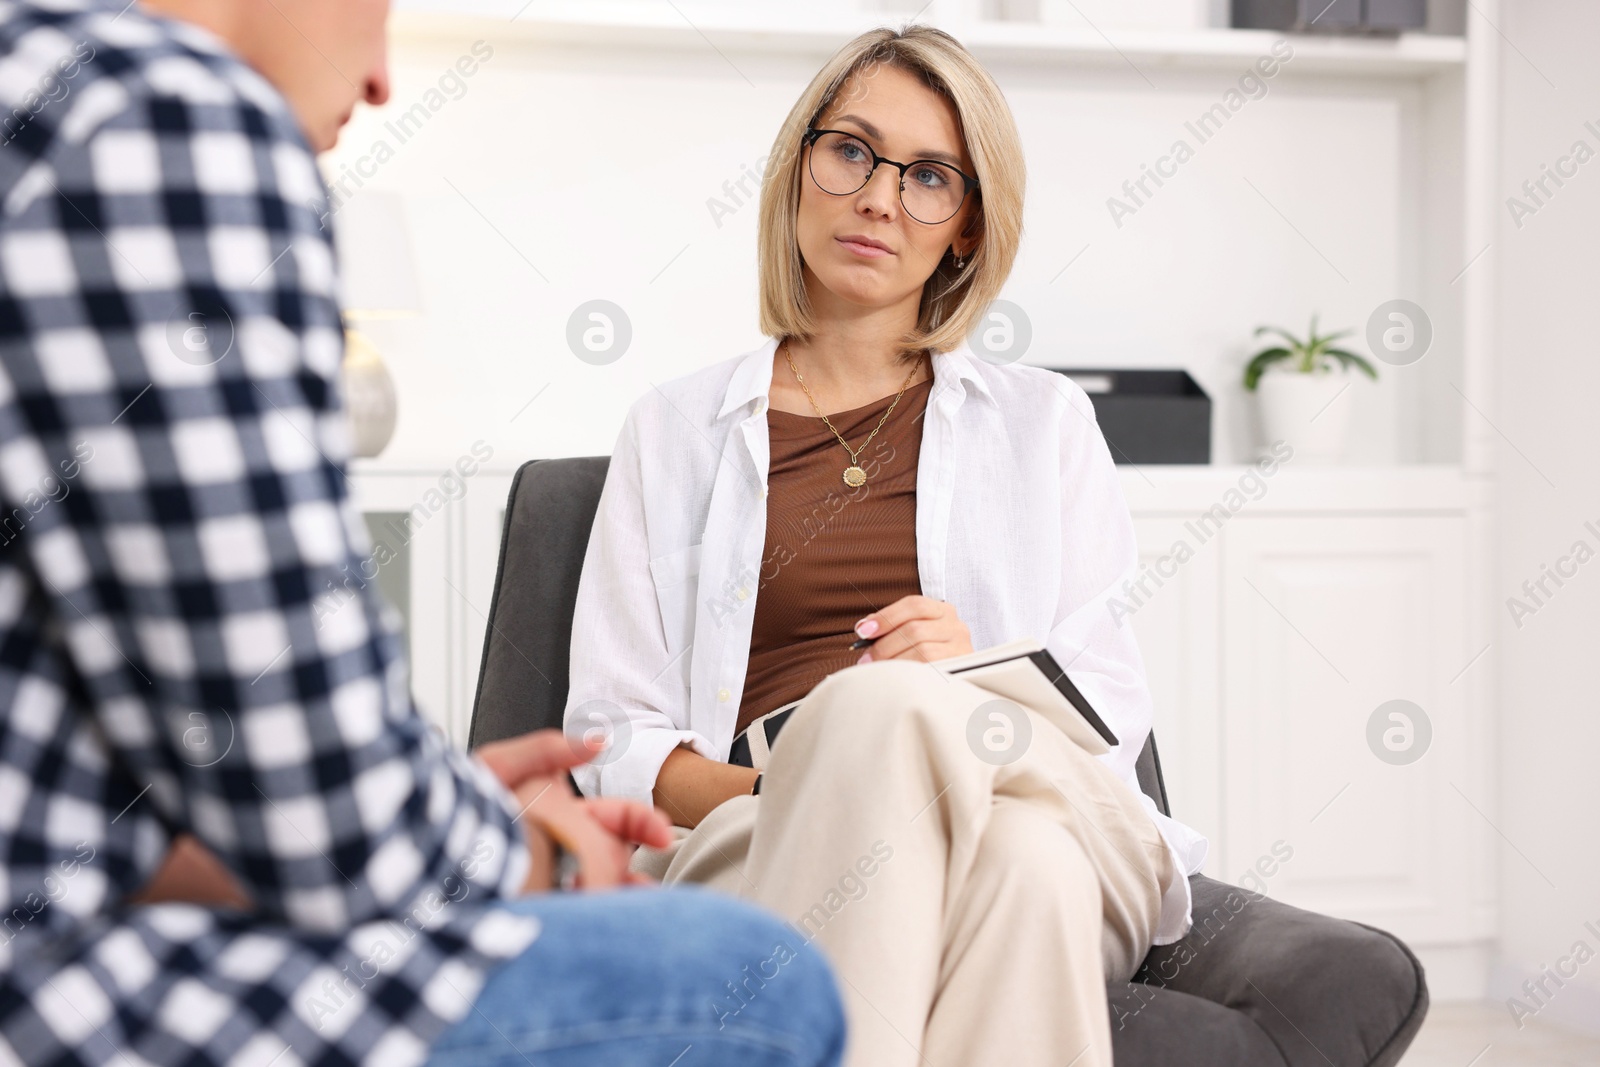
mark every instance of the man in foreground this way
{"type": "Point", "coordinates": [226, 836]}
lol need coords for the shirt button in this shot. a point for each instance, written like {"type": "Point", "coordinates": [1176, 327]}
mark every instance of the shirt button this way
{"type": "Point", "coordinates": [763, 492]}
{"type": "Point", "coordinates": [744, 593]}
{"type": "Point", "coordinates": [723, 695]}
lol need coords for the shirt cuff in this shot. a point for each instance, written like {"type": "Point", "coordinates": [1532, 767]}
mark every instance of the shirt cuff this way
{"type": "Point", "coordinates": [1188, 850]}
{"type": "Point", "coordinates": [518, 862]}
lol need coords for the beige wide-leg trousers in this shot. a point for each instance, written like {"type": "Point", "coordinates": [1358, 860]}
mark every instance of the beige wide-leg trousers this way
{"type": "Point", "coordinates": [973, 910]}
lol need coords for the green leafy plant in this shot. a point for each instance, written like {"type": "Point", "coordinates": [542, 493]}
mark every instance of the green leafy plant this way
{"type": "Point", "coordinates": [1310, 356]}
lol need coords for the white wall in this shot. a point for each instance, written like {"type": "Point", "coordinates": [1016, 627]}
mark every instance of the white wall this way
{"type": "Point", "coordinates": [595, 166]}
{"type": "Point", "coordinates": [1549, 391]}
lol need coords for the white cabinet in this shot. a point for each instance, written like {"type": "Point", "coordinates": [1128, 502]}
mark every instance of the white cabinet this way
{"type": "Point", "coordinates": [1270, 649]}
{"type": "Point", "coordinates": [1334, 618]}
{"type": "Point", "coordinates": [443, 535]}
{"type": "Point", "coordinates": [1176, 626]}
{"type": "Point", "coordinates": [1268, 646]}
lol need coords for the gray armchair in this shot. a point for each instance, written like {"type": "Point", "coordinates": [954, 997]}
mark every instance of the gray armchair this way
{"type": "Point", "coordinates": [1256, 983]}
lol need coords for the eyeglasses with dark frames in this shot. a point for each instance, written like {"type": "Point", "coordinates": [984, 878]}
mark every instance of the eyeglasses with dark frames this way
{"type": "Point", "coordinates": [842, 163]}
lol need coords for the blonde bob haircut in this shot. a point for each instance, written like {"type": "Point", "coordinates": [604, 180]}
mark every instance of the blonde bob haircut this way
{"type": "Point", "coordinates": [952, 300]}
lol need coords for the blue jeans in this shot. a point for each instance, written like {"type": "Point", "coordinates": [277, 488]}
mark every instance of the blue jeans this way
{"type": "Point", "coordinates": [641, 977]}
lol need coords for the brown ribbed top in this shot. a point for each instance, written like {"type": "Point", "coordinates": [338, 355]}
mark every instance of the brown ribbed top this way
{"type": "Point", "coordinates": [833, 553]}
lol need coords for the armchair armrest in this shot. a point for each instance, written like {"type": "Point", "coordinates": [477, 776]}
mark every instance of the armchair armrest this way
{"type": "Point", "coordinates": [1153, 1027]}
{"type": "Point", "coordinates": [1324, 990]}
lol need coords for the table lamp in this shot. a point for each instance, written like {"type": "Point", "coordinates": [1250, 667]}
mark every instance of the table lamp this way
{"type": "Point", "coordinates": [378, 280]}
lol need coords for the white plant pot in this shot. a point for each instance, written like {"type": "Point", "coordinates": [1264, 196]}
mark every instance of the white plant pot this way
{"type": "Point", "coordinates": [1306, 411]}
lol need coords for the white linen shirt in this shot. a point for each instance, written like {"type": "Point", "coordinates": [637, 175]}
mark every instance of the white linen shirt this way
{"type": "Point", "coordinates": [1021, 525]}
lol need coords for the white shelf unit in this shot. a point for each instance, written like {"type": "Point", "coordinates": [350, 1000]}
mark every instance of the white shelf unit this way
{"type": "Point", "coordinates": [754, 27]}
{"type": "Point", "coordinates": [1424, 528]}
{"type": "Point", "coordinates": [1423, 77]}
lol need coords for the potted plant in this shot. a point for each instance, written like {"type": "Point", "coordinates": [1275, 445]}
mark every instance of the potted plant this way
{"type": "Point", "coordinates": [1298, 383]}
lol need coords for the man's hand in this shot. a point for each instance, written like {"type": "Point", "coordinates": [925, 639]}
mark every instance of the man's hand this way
{"type": "Point", "coordinates": [602, 833]}
{"type": "Point", "coordinates": [192, 874]}
{"type": "Point", "coordinates": [542, 753]}
{"type": "Point", "coordinates": [915, 627]}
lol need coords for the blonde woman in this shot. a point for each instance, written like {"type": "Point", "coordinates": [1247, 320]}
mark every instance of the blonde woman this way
{"type": "Point", "coordinates": [974, 876]}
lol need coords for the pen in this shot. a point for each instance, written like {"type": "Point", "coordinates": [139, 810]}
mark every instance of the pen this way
{"type": "Point", "coordinates": [862, 642]}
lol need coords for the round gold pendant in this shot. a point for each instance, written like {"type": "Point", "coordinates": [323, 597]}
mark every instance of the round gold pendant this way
{"type": "Point", "coordinates": [854, 476]}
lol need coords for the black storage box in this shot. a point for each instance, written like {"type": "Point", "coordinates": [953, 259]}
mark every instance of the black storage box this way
{"type": "Point", "coordinates": [1330, 16]}
{"type": "Point", "coordinates": [1148, 416]}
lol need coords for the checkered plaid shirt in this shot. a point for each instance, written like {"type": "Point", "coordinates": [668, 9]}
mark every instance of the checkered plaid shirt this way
{"type": "Point", "coordinates": [189, 640]}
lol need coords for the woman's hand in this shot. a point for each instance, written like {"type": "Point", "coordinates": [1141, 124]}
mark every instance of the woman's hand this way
{"type": "Point", "coordinates": [915, 627]}
{"type": "Point", "coordinates": [602, 832]}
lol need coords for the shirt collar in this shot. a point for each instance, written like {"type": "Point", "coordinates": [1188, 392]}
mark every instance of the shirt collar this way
{"type": "Point", "coordinates": [752, 378]}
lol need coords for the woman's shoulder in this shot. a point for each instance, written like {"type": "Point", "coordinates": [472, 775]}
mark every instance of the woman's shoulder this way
{"type": "Point", "coordinates": [700, 395]}
{"type": "Point", "coordinates": [1019, 387]}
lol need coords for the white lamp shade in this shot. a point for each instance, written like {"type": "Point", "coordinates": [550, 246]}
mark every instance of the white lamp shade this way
{"type": "Point", "coordinates": [378, 276]}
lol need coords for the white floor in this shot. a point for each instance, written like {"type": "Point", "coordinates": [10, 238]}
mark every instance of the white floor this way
{"type": "Point", "coordinates": [1484, 1035]}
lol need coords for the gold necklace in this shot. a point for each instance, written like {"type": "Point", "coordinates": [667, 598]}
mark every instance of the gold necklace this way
{"type": "Point", "coordinates": [854, 476]}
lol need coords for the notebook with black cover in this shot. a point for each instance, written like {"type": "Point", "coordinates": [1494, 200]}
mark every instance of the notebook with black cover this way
{"type": "Point", "coordinates": [1022, 671]}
